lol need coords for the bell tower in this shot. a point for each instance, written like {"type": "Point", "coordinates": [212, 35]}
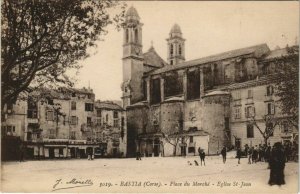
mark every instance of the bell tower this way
{"type": "Point", "coordinates": [132, 58]}
{"type": "Point", "coordinates": [176, 50]}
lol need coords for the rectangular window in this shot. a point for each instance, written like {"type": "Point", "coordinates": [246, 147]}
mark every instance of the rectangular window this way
{"type": "Point", "coordinates": [89, 107]}
{"type": "Point", "coordinates": [285, 127]}
{"type": "Point", "coordinates": [250, 93]}
{"type": "Point", "coordinates": [191, 139]}
{"type": "Point", "coordinates": [191, 150]}
{"type": "Point", "coordinates": [249, 111]}
{"type": "Point", "coordinates": [269, 90]}
{"type": "Point", "coordinates": [51, 133]}
{"type": "Point", "coordinates": [73, 105]}
{"type": "Point", "coordinates": [89, 121]}
{"type": "Point", "coordinates": [193, 84]}
{"type": "Point", "coordinates": [98, 113]}
{"type": "Point", "coordinates": [145, 89]}
{"type": "Point", "coordinates": [122, 122]}
{"type": "Point", "coordinates": [116, 122]}
{"type": "Point", "coordinates": [32, 114]}
{"type": "Point", "coordinates": [250, 131]}
{"type": "Point", "coordinates": [49, 115]}
{"type": "Point", "coordinates": [226, 123]}
{"type": "Point", "coordinates": [237, 95]}
{"type": "Point", "coordinates": [237, 112]}
{"type": "Point", "coordinates": [155, 91]}
{"type": "Point", "coordinates": [98, 121]}
{"type": "Point", "coordinates": [74, 120]}
{"type": "Point", "coordinates": [116, 114]}
{"type": "Point", "coordinates": [271, 108]}
{"type": "Point", "coordinates": [173, 84]}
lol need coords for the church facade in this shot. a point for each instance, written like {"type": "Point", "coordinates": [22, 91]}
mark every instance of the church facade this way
{"type": "Point", "coordinates": [174, 107]}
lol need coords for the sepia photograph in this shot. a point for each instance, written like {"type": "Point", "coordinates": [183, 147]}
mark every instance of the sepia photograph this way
{"type": "Point", "coordinates": [107, 96]}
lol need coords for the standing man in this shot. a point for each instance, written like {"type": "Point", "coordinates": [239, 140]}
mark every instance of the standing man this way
{"type": "Point", "coordinates": [223, 152]}
{"type": "Point", "coordinates": [202, 156]}
{"type": "Point", "coordinates": [250, 152]}
{"type": "Point", "coordinates": [238, 154]}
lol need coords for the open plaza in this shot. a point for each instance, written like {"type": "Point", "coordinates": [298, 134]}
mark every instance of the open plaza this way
{"type": "Point", "coordinates": [162, 174]}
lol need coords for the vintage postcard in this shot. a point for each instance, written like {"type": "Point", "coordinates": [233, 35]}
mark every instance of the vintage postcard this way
{"type": "Point", "coordinates": [149, 96]}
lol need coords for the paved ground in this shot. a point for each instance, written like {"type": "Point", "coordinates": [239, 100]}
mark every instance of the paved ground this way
{"type": "Point", "coordinates": [149, 175]}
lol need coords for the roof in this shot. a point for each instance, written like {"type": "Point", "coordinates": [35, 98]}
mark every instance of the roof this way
{"type": "Point", "coordinates": [132, 13]}
{"type": "Point", "coordinates": [107, 105]}
{"type": "Point", "coordinates": [153, 59]}
{"type": "Point", "coordinates": [175, 29]}
{"type": "Point", "coordinates": [257, 51]}
{"type": "Point", "coordinates": [60, 93]}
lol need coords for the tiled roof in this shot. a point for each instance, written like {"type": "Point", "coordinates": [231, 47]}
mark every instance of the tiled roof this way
{"type": "Point", "coordinates": [257, 50]}
{"type": "Point", "coordinates": [107, 105]}
{"type": "Point", "coordinates": [153, 59]}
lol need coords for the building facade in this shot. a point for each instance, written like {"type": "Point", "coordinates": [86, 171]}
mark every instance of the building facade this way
{"type": "Point", "coordinates": [175, 107]}
{"type": "Point", "coordinates": [64, 123]}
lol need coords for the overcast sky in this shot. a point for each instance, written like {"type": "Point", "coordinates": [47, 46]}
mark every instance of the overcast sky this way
{"type": "Point", "coordinates": [208, 27]}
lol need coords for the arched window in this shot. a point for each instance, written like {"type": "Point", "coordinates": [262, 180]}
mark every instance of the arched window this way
{"type": "Point", "coordinates": [179, 49]}
{"type": "Point", "coordinates": [127, 36]}
{"type": "Point", "coordinates": [171, 49]}
{"type": "Point", "coordinates": [136, 35]}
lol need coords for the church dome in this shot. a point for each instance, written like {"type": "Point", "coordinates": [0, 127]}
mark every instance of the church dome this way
{"type": "Point", "coordinates": [132, 14]}
{"type": "Point", "coordinates": [175, 29]}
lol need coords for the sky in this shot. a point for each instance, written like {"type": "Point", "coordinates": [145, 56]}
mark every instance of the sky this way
{"type": "Point", "coordinates": [208, 27]}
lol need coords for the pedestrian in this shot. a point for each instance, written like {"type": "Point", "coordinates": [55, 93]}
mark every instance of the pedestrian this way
{"type": "Point", "coordinates": [250, 152]}
{"type": "Point", "coordinates": [277, 164]}
{"type": "Point", "coordinates": [89, 153]}
{"type": "Point", "coordinates": [255, 154]}
{"type": "Point", "coordinates": [138, 155]}
{"type": "Point", "coordinates": [223, 152]}
{"type": "Point", "coordinates": [239, 154]}
{"type": "Point", "coordinates": [21, 152]}
{"type": "Point", "coordinates": [202, 156]}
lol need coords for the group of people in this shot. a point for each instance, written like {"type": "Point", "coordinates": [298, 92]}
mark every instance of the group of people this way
{"type": "Point", "coordinates": [276, 156]}
{"type": "Point", "coordinates": [262, 153]}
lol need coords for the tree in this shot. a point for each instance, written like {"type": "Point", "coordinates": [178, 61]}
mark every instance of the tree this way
{"type": "Point", "coordinates": [287, 84]}
{"type": "Point", "coordinates": [42, 40]}
{"type": "Point", "coordinates": [270, 122]}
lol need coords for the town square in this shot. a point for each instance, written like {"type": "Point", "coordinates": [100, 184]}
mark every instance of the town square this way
{"type": "Point", "coordinates": [155, 96]}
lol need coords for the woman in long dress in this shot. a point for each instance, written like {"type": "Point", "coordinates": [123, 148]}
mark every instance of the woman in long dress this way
{"type": "Point", "coordinates": [277, 164]}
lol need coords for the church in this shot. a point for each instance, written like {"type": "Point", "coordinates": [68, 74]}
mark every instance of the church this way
{"type": "Point", "coordinates": [174, 107]}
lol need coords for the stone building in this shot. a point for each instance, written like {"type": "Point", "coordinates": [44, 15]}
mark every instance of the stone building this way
{"type": "Point", "coordinates": [110, 125]}
{"type": "Point", "coordinates": [174, 107]}
{"type": "Point", "coordinates": [64, 123]}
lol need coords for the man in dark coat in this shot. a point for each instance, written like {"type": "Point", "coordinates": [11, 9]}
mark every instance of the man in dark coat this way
{"type": "Point", "coordinates": [202, 156]}
{"type": "Point", "coordinates": [223, 152]}
{"type": "Point", "coordinates": [255, 154]}
{"type": "Point", "coordinates": [250, 152]}
{"type": "Point", "coordinates": [277, 164]}
{"type": "Point", "coordinates": [238, 155]}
